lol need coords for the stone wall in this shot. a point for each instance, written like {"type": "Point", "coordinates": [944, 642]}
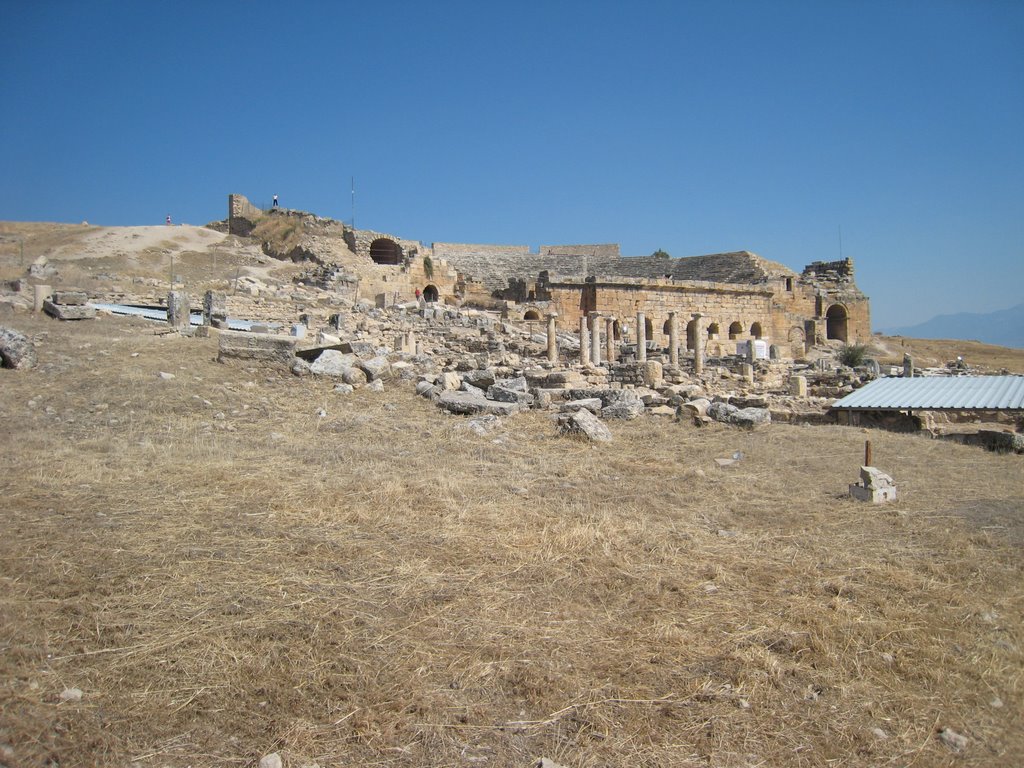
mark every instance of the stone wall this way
{"type": "Point", "coordinates": [241, 213]}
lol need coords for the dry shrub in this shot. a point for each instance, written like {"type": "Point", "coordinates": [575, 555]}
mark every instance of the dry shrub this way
{"type": "Point", "coordinates": [224, 573]}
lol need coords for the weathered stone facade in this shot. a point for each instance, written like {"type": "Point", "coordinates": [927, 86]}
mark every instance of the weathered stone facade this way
{"type": "Point", "coordinates": [739, 296]}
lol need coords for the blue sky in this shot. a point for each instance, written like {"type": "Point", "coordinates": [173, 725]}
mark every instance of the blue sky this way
{"type": "Point", "coordinates": [696, 127]}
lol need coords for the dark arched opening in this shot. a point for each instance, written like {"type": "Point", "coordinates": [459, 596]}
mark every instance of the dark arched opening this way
{"type": "Point", "coordinates": [735, 330]}
{"type": "Point", "coordinates": [713, 331]}
{"type": "Point", "coordinates": [430, 293]}
{"type": "Point", "coordinates": [616, 331]}
{"type": "Point", "coordinates": [531, 314]}
{"type": "Point", "coordinates": [691, 334]}
{"type": "Point", "coordinates": [648, 329]}
{"type": "Point", "coordinates": [755, 330]}
{"type": "Point", "coordinates": [835, 322]}
{"type": "Point", "coordinates": [384, 251]}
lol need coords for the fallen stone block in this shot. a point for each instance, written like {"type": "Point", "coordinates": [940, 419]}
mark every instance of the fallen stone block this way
{"type": "Point", "coordinates": [505, 395]}
{"type": "Point", "coordinates": [70, 298]}
{"type": "Point", "coordinates": [331, 362]}
{"type": "Point", "coordinates": [592, 404]}
{"type": "Point", "coordinates": [584, 424]}
{"type": "Point", "coordinates": [69, 311]}
{"type": "Point", "coordinates": [262, 348]}
{"type": "Point", "coordinates": [376, 368]}
{"type": "Point", "coordinates": [16, 350]}
{"type": "Point", "coordinates": [470, 405]}
{"type": "Point", "coordinates": [625, 408]}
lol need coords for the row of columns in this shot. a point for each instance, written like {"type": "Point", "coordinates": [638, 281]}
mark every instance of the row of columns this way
{"type": "Point", "coordinates": [590, 339]}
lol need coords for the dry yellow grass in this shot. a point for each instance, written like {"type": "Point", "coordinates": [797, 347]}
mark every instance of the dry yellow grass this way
{"type": "Point", "coordinates": [224, 574]}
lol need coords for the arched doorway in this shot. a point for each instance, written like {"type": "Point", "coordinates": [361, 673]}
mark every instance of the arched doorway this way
{"type": "Point", "coordinates": [735, 330]}
{"type": "Point", "coordinates": [430, 293]}
{"type": "Point", "coordinates": [384, 251]}
{"type": "Point", "coordinates": [648, 329]}
{"type": "Point", "coordinates": [531, 314]}
{"type": "Point", "coordinates": [755, 330]}
{"type": "Point", "coordinates": [713, 331]}
{"type": "Point", "coordinates": [616, 331]}
{"type": "Point", "coordinates": [835, 322]}
{"type": "Point", "coordinates": [691, 335]}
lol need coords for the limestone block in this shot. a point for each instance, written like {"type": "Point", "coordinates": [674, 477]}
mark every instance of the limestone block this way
{"type": "Point", "coordinates": [466, 403]}
{"type": "Point", "coordinates": [450, 381]}
{"type": "Point", "coordinates": [505, 395]}
{"type": "Point", "coordinates": [257, 348]}
{"type": "Point", "coordinates": [178, 310]}
{"type": "Point", "coordinates": [376, 368]}
{"type": "Point", "coordinates": [331, 362]}
{"type": "Point", "coordinates": [70, 298]}
{"type": "Point", "coordinates": [16, 350]}
{"type": "Point", "coordinates": [69, 311]}
{"type": "Point", "coordinates": [798, 386]}
{"type": "Point", "coordinates": [353, 376]}
{"type": "Point", "coordinates": [592, 404]}
{"type": "Point", "coordinates": [653, 373]}
{"type": "Point", "coordinates": [875, 486]}
{"type": "Point", "coordinates": [584, 424]}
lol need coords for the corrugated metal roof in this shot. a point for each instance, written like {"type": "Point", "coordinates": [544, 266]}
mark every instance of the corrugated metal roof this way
{"type": "Point", "coordinates": [939, 392]}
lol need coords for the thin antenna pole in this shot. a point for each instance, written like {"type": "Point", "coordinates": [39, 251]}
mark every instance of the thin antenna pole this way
{"type": "Point", "coordinates": [840, 242]}
{"type": "Point", "coordinates": [353, 202]}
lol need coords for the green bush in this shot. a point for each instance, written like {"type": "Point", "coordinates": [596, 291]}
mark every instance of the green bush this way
{"type": "Point", "coordinates": [853, 355]}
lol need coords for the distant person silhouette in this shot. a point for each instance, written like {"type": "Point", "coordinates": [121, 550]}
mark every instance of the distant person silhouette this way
{"type": "Point", "coordinates": [275, 201]}
{"type": "Point", "coordinates": [168, 219]}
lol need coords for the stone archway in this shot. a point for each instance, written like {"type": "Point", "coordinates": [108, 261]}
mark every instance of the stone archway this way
{"type": "Point", "coordinates": [531, 314]}
{"type": "Point", "coordinates": [385, 251]}
{"type": "Point", "coordinates": [691, 335]}
{"type": "Point", "coordinates": [755, 331]}
{"type": "Point", "coordinates": [430, 293]}
{"type": "Point", "coordinates": [713, 331]}
{"type": "Point", "coordinates": [735, 330]}
{"type": "Point", "coordinates": [648, 329]}
{"type": "Point", "coordinates": [836, 323]}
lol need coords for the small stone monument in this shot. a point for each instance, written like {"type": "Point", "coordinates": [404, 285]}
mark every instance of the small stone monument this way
{"type": "Point", "coordinates": [875, 486]}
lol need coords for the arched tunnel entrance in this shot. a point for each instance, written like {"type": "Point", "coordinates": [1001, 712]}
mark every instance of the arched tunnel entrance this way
{"type": "Point", "coordinates": [430, 293]}
{"type": "Point", "coordinates": [384, 251]}
{"type": "Point", "coordinates": [835, 322]}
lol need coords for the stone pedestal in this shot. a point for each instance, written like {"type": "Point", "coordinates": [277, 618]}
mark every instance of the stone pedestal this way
{"type": "Point", "coordinates": [747, 372]}
{"type": "Point", "coordinates": [798, 386]}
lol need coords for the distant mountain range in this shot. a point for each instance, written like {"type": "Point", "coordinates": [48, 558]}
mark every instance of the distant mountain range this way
{"type": "Point", "coordinates": [1004, 327]}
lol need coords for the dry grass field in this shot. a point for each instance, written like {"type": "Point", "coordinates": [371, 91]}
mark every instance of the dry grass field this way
{"type": "Point", "coordinates": [224, 573]}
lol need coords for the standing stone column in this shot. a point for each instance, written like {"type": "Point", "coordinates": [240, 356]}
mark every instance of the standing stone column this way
{"type": "Point", "coordinates": [552, 340]}
{"type": "Point", "coordinates": [698, 345]}
{"type": "Point", "coordinates": [641, 338]}
{"type": "Point", "coordinates": [584, 342]}
{"type": "Point", "coordinates": [908, 366]}
{"type": "Point", "coordinates": [179, 310]}
{"type": "Point", "coordinates": [673, 339]}
{"type": "Point", "coordinates": [609, 338]}
{"type": "Point", "coordinates": [595, 338]}
{"type": "Point", "coordinates": [40, 293]}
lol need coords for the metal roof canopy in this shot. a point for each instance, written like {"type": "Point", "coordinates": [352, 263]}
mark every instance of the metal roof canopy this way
{"type": "Point", "coordinates": [936, 393]}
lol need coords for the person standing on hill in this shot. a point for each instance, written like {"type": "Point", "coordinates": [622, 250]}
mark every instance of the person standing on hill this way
{"type": "Point", "coordinates": [275, 201]}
